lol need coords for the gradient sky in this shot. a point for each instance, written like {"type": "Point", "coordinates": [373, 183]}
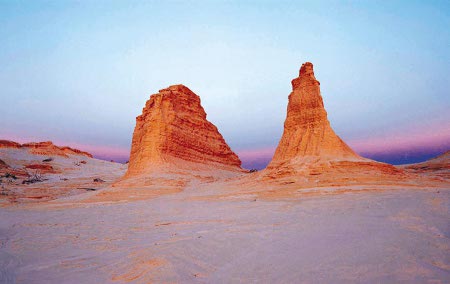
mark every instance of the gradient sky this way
{"type": "Point", "coordinates": [79, 72]}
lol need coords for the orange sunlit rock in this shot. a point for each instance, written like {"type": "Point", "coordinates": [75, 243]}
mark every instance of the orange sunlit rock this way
{"type": "Point", "coordinates": [310, 147]}
{"type": "Point", "coordinates": [42, 168]}
{"type": "Point", "coordinates": [44, 148]}
{"type": "Point", "coordinates": [307, 131]}
{"type": "Point", "coordinates": [439, 166]}
{"type": "Point", "coordinates": [9, 144]}
{"type": "Point", "coordinates": [173, 131]}
{"type": "Point", "coordinates": [48, 148]}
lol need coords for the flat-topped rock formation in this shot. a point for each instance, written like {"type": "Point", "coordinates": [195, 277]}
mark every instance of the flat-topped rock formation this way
{"type": "Point", "coordinates": [173, 133]}
{"type": "Point", "coordinates": [44, 148]}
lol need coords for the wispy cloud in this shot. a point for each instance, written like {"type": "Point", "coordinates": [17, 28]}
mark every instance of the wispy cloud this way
{"type": "Point", "coordinates": [418, 138]}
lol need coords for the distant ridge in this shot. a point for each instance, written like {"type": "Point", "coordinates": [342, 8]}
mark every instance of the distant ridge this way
{"type": "Point", "coordinates": [44, 148]}
{"type": "Point", "coordinates": [439, 165]}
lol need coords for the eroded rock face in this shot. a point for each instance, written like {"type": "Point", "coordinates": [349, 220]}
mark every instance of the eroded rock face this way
{"type": "Point", "coordinates": [310, 152]}
{"type": "Point", "coordinates": [44, 148]}
{"type": "Point", "coordinates": [48, 148]}
{"type": "Point", "coordinates": [3, 165]}
{"type": "Point", "coordinates": [307, 131]}
{"type": "Point", "coordinates": [173, 131]}
{"type": "Point", "coordinates": [42, 168]}
{"type": "Point", "coordinates": [439, 166]}
{"type": "Point", "coordinates": [9, 144]}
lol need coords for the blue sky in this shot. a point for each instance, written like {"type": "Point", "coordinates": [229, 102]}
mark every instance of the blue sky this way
{"type": "Point", "coordinates": [79, 72]}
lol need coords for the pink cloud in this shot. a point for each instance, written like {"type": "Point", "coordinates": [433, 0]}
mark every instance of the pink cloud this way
{"type": "Point", "coordinates": [256, 154]}
{"type": "Point", "coordinates": [419, 138]}
{"type": "Point", "coordinates": [413, 139]}
{"type": "Point", "coordinates": [102, 150]}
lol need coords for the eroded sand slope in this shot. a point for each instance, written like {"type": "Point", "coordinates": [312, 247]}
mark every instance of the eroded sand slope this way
{"type": "Point", "coordinates": [60, 174]}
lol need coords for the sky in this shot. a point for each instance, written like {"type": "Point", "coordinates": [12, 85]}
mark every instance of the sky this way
{"type": "Point", "coordinates": [79, 72]}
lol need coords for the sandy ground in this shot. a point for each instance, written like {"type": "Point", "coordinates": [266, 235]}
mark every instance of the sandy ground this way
{"type": "Point", "coordinates": [219, 227]}
{"type": "Point", "coordinates": [387, 236]}
{"type": "Point", "coordinates": [72, 175]}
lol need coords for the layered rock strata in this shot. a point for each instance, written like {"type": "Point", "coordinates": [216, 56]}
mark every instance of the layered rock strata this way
{"type": "Point", "coordinates": [173, 132]}
{"type": "Point", "coordinates": [439, 166]}
{"type": "Point", "coordinates": [307, 131]}
{"type": "Point", "coordinates": [44, 148]}
{"type": "Point", "coordinates": [309, 146]}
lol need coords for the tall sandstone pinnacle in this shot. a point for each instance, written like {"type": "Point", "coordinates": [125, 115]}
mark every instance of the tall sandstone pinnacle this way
{"type": "Point", "coordinates": [307, 131]}
{"type": "Point", "coordinates": [309, 148]}
{"type": "Point", "coordinates": [173, 133]}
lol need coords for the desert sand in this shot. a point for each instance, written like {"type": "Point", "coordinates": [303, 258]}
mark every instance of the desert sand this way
{"type": "Point", "coordinates": [184, 211]}
{"type": "Point", "coordinates": [392, 235]}
{"type": "Point", "coordinates": [61, 173]}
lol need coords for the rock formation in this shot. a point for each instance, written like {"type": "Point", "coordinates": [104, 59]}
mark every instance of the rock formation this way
{"type": "Point", "coordinates": [439, 166]}
{"type": "Point", "coordinates": [9, 144]}
{"type": "Point", "coordinates": [43, 171]}
{"type": "Point", "coordinates": [307, 131]}
{"type": "Point", "coordinates": [42, 168]}
{"type": "Point", "coordinates": [3, 165]}
{"type": "Point", "coordinates": [48, 148]}
{"type": "Point", "coordinates": [44, 148]}
{"type": "Point", "coordinates": [173, 133]}
{"type": "Point", "coordinates": [310, 148]}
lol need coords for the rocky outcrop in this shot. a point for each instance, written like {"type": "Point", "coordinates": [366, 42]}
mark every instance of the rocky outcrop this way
{"type": "Point", "coordinates": [3, 165]}
{"type": "Point", "coordinates": [173, 133]}
{"type": "Point", "coordinates": [9, 172]}
{"type": "Point", "coordinates": [441, 162]}
{"type": "Point", "coordinates": [72, 151]}
{"type": "Point", "coordinates": [9, 144]}
{"type": "Point", "coordinates": [309, 146]}
{"type": "Point", "coordinates": [439, 166]}
{"type": "Point", "coordinates": [42, 168]}
{"type": "Point", "coordinates": [44, 148]}
{"type": "Point", "coordinates": [307, 131]}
